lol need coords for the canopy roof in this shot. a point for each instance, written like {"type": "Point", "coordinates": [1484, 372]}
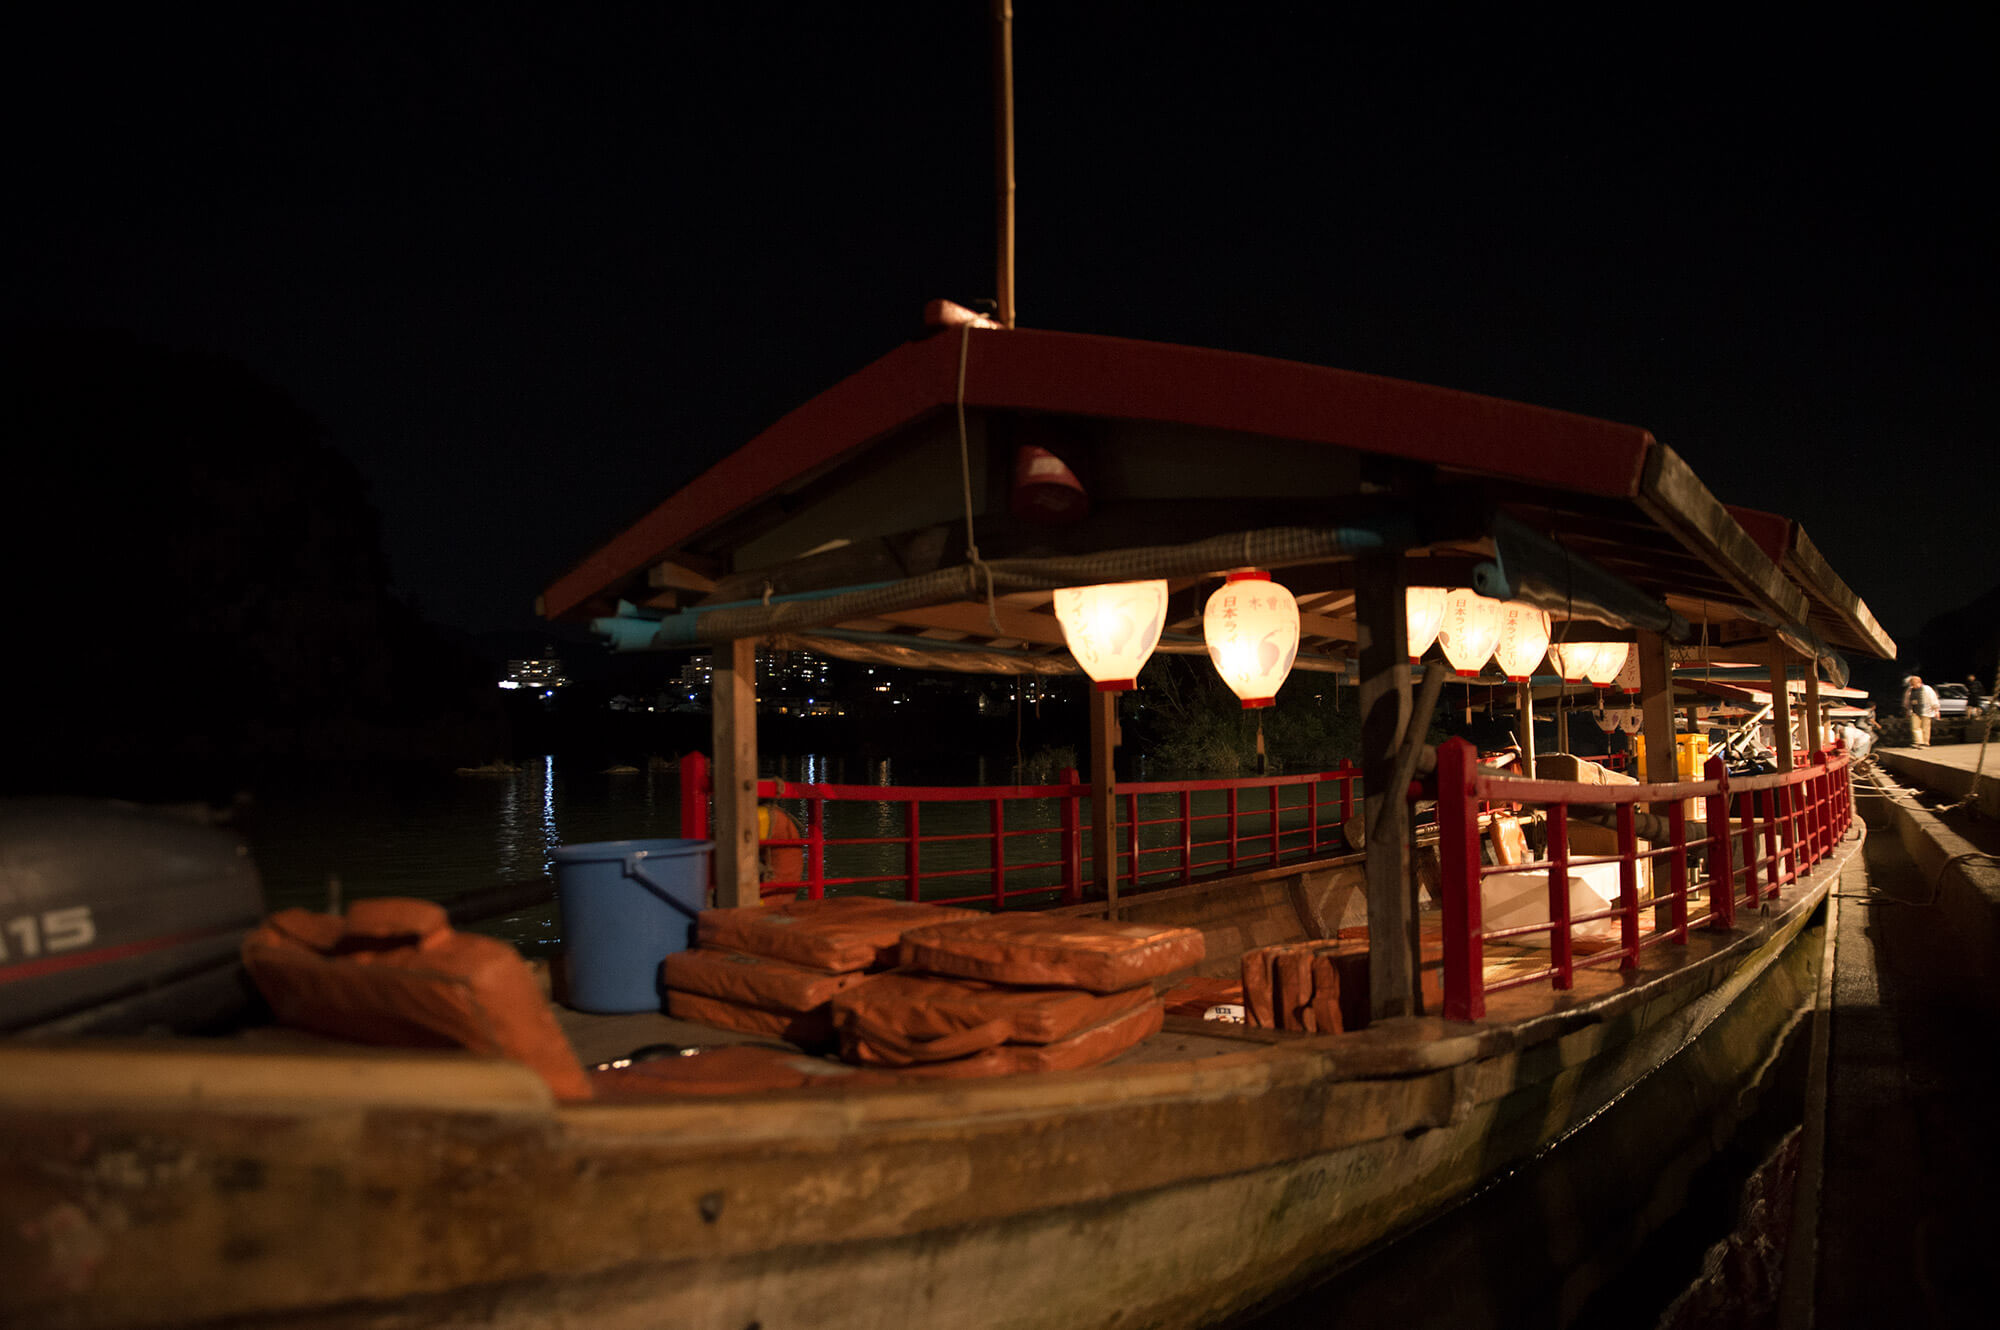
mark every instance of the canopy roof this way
{"type": "Point", "coordinates": [842, 527]}
{"type": "Point", "coordinates": [1837, 614]}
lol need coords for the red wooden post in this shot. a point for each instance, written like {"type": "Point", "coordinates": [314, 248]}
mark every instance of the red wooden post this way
{"type": "Point", "coordinates": [1232, 828]}
{"type": "Point", "coordinates": [999, 818]}
{"type": "Point", "coordinates": [1677, 829]}
{"type": "Point", "coordinates": [912, 862]}
{"type": "Point", "coordinates": [1132, 839]}
{"type": "Point", "coordinates": [1768, 806]}
{"type": "Point", "coordinates": [1072, 839]}
{"type": "Point", "coordinates": [1559, 939]}
{"type": "Point", "coordinates": [1274, 826]}
{"type": "Point", "coordinates": [1786, 797]}
{"type": "Point", "coordinates": [1747, 820]}
{"type": "Point", "coordinates": [695, 781]}
{"type": "Point", "coordinates": [1721, 874]}
{"type": "Point", "coordinates": [1346, 790]}
{"type": "Point", "coordinates": [1813, 808]}
{"type": "Point", "coordinates": [816, 848]}
{"type": "Point", "coordinates": [1628, 889]}
{"type": "Point", "coordinates": [1187, 835]}
{"type": "Point", "coordinates": [1458, 862]}
{"type": "Point", "coordinates": [1312, 819]}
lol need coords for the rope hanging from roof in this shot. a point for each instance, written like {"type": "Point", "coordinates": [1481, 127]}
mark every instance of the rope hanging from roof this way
{"type": "Point", "coordinates": [965, 482]}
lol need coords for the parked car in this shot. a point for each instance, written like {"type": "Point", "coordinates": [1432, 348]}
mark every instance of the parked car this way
{"type": "Point", "coordinates": [1952, 701]}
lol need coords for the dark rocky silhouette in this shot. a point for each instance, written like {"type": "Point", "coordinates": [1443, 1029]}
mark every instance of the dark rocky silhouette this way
{"type": "Point", "coordinates": [206, 598]}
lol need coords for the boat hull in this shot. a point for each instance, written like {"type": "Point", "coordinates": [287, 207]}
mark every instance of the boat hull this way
{"type": "Point", "coordinates": [1175, 1193]}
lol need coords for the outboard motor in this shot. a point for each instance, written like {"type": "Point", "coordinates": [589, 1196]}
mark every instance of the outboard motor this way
{"type": "Point", "coordinates": [116, 918]}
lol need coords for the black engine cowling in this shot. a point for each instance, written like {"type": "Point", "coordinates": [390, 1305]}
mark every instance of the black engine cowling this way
{"type": "Point", "coordinates": [117, 918]}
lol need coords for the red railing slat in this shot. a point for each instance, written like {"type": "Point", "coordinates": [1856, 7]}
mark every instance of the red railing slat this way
{"type": "Point", "coordinates": [1796, 818]}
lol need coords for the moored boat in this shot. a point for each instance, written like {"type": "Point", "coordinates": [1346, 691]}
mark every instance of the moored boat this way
{"type": "Point", "coordinates": [282, 1181]}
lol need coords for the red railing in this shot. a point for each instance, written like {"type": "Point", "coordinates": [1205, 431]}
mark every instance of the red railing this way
{"type": "Point", "coordinates": [1773, 826]}
{"type": "Point", "coordinates": [1299, 820]}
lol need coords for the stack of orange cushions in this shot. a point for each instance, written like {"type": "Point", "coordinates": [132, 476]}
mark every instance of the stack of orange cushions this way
{"type": "Point", "coordinates": [773, 969]}
{"type": "Point", "coordinates": [1007, 993]}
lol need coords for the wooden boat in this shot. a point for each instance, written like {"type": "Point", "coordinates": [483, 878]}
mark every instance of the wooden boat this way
{"type": "Point", "coordinates": [266, 1181]}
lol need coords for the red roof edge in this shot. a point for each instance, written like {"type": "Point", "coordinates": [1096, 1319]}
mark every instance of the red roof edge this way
{"type": "Point", "coordinates": [1117, 378]}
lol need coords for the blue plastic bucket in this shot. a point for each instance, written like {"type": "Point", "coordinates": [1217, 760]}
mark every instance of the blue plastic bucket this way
{"type": "Point", "coordinates": [626, 905]}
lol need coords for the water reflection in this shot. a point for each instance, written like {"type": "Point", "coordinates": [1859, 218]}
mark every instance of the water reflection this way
{"type": "Point", "coordinates": [550, 837]}
{"type": "Point", "coordinates": [440, 836]}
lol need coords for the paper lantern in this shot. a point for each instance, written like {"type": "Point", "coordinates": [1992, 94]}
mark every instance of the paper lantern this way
{"type": "Point", "coordinates": [1604, 666]}
{"type": "Point", "coordinates": [1425, 607]}
{"type": "Point", "coordinates": [1252, 627]}
{"type": "Point", "coordinates": [1524, 640]}
{"type": "Point", "coordinates": [1112, 629]}
{"type": "Point", "coordinates": [1607, 720]}
{"type": "Point", "coordinates": [1470, 630]}
{"type": "Point", "coordinates": [1571, 659]}
{"type": "Point", "coordinates": [1631, 720]}
{"type": "Point", "coordinates": [1628, 674]}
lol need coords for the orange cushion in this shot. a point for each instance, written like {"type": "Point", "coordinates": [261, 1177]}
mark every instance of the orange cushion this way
{"type": "Point", "coordinates": [1096, 954]}
{"type": "Point", "coordinates": [393, 972]}
{"type": "Point", "coordinates": [843, 934]}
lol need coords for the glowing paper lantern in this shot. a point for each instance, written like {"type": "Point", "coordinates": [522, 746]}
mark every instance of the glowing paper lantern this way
{"type": "Point", "coordinates": [1112, 629]}
{"type": "Point", "coordinates": [1628, 674]}
{"type": "Point", "coordinates": [1524, 640]}
{"type": "Point", "coordinates": [1470, 630]}
{"type": "Point", "coordinates": [1604, 666]}
{"type": "Point", "coordinates": [1571, 659]}
{"type": "Point", "coordinates": [1425, 607]}
{"type": "Point", "coordinates": [1252, 627]}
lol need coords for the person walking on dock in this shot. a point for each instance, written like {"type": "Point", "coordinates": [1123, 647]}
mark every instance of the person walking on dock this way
{"type": "Point", "coordinates": [1922, 702]}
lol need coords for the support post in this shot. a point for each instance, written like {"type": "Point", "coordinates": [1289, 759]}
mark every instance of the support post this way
{"type": "Point", "coordinates": [1103, 832]}
{"type": "Point", "coordinates": [1781, 705]}
{"type": "Point", "coordinates": [1562, 725]}
{"type": "Point", "coordinates": [1814, 716]}
{"type": "Point", "coordinates": [1781, 728]}
{"type": "Point", "coordinates": [1383, 638]}
{"type": "Point", "coordinates": [1003, 156]}
{"type": "Point", "coordinates": [1525, 698]}
{"type": "Point", "coordinates": [1656, 703]}
{"type": "Point", "coordinates": [735, 732]}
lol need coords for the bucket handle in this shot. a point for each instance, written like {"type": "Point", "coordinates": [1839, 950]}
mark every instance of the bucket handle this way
{"type": "Point", "coordinates": [635, 868]}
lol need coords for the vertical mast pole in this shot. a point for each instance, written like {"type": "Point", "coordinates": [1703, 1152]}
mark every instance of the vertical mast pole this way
{"type": "Point", "coordinates": [734, 722]}
{"type": "Point", "coordinates": [1103, 792]}
{"type": "Point", "coordinates": [1381, 585]}
{"type": "Point", "coordinates": [1003, 154]}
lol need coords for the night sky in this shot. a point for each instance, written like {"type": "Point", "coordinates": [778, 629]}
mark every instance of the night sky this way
{"type": "Point", "coordinates": [532, 267]}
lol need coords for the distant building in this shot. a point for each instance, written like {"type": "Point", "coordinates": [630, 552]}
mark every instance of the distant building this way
{"type": "Point", "coordinates": [542, 676]}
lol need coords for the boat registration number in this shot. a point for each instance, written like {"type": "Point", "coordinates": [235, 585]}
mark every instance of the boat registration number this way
{"type": "Point", "coordinates": [31, 935]}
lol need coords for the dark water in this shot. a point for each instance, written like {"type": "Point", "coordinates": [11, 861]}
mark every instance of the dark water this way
{"type": "Point", "coordinates": [440, 835]}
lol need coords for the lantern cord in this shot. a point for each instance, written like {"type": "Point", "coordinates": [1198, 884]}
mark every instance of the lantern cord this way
{"type": "Point", "coordinates": [965, 483]}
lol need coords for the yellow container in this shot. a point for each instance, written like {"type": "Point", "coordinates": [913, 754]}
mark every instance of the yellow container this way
{"type": "Point", "coordinates": [1691, 750]}
{"type": "Point", "coordinates": [1690, 755]}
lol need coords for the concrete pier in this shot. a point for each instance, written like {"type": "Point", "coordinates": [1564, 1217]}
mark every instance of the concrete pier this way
{"type": "Point", "coordinates": [1907, 1177]}
{"type": "Point", "coordinates": [1952, 770]}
